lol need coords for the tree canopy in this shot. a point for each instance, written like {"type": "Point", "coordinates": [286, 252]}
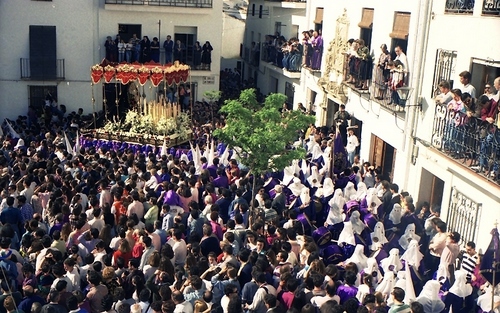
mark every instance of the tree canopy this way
{"type": "Point", "coordinates": [262, 132]}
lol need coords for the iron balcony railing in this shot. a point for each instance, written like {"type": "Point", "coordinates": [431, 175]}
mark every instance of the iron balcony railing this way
{"type": "Point", "coordinates": [39, 70]}
{"type": "Point", "coordinates": [467, 139]}
{"type": "Point", "coordinates": [491, 7]}
{"type": "Point", "coordinates": [168, 3]}
{"type": "Point", "coordinates": [359, 74]}
{"type": "Point", "coordinates": [460, 6]}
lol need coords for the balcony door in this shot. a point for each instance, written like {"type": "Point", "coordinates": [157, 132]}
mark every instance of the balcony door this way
{"type": "Point", "coordinates": [431, 188]}
{"type": "Point", "coordinates": [43, 52]}
{"type": "Point", "coordinates": [383, 155]}
{"type": "Point", "coordinates": [126, 31]}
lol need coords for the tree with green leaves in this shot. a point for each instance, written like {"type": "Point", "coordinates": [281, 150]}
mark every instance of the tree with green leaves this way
{"type": "Point", "coordinates": [261, 133]}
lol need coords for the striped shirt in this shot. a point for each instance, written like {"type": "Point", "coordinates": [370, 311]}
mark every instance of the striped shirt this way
{"type": "Point", "coordinates": [469, 263]}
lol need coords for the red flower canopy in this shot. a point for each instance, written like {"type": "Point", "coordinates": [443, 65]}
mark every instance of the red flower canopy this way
{"type": "Point", "coordinates": [125, 72]}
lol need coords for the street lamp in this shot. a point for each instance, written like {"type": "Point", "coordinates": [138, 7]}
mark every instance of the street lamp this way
{"type": "Point", "coordinates": [404, 94]}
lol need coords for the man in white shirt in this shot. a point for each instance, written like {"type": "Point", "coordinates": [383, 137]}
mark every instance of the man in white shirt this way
{"type": "Point", "coordinates": [445, 96]}
{"type": "Point", "coordinates": [401, 56]}
{"type": "Point", "coordinates": [136, 206]}
{"type": "Point", "coordinates": [258, 305]}
{"type": "Point", "coordinates": [72, 274]}
{"type": "Point", "coordinates": [181, 305]}
{"type": "Point", "coordinates": [352, 144]}
{"type": "Point", "coordinates": [105, 195]}
{"type": "Point", "coordinates": [97, 222]}
{"type": "Point", "coordinates": [179, 247]}
{"type": "Point", "coordinates": [465, 78]}
{"type": "Point", "coordinates": [496, 84]}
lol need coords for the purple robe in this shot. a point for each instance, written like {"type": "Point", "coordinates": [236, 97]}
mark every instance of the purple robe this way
{"type": "Point", "coordinates": [221, 182]}
{"type": "Point", "coordinates": [346, 292]}
{"type": "Point", "coordinates": [172, 198]}
{"type": "Point", "coordinates": [317, 44]}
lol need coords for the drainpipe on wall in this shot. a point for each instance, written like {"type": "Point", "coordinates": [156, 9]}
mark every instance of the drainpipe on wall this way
{"type": "Point", "coordinates": [420, 54]}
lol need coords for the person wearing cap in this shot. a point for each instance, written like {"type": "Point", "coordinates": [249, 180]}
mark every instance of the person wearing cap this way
{"type": "Point", "coordinates": [488, 91]}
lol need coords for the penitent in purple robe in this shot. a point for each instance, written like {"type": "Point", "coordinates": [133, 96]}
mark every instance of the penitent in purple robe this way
{"type": "Point", "coordinates": [346, 292]}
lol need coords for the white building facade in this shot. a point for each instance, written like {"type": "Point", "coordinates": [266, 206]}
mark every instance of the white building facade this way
{"type": "Point", "coordinates": [76, 32]}
{"type": "Point", "coordinates": [406, 141]}
{"type": "Point", "coordinates": [267, 20]}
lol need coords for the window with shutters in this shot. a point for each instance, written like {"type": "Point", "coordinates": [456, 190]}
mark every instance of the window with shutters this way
{"type": "Point", "coordinates": [400, 32]}
{"type": "Point", "coordinates": [366, 26]}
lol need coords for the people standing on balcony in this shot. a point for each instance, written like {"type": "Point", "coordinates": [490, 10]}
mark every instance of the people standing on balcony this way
{"type": "Point", "coordinates": [110, 49]}
{"type": "Point", "coordinates": [206, 57]}
{"type": "Point", "coordinates": [364, 65]}
{"type": "Point", "coordinates": [168, 45]}
{"type": "Point", "coordinates": [121, 51]}
{"type": "Point", "coordinates": [129, 46]}
{"type": "Point", "coordinates": [341, 117]}
{"type": "Point", "coordinates": [306, 44]}
{"type": "Point", "coordinates": [456, 120]}
{"type": "Point", "coordinates": [396, 80]}
{"type": "Point", "coordinates": [401, 56]}
{"type": "Point", "coordinates": [465, 78]}
{"type": "Point", "coordinates": [317, 45]}
{"type": "Point", "coordinates": [296, 58]}
{"type": "Point", "coordinates": [145, 49]}
{"type": "Point", "coordinates": [179, 51]}
{"type": "Point", "coordinates": [488, 91]}
{"type": "Point", "coordinates": [353, 62]}
{"type": "Point", "coordinates": [445, 95]}
{"type": "Point", "coordinates": [136, 48]}
{"type": "Point", "coordinates": [382, 72]}
{"type": "Point", "coordinates": [496, 85]}
{"type": "Point", "coordinates": [490, 136]}
{"type": "Point", "coordinates": [155, 50]}
{"type": "Point", "coordinates": [197, 55]}
{"type": "Point", "coordinates": [285, 50]}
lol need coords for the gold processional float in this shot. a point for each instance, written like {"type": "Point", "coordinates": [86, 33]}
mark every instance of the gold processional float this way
{"type": "Point", "coordinates": [155, 122]}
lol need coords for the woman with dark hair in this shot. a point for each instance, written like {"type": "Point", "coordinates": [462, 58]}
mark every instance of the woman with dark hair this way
{"type": "Point", "coordinates": [145, 49]}
{"type": "Point", "coordinates": [197, 50]}
{"type": "Point", "coordinates": [206, 57]}
{"type": "Point", "coordinates": [155, 50]}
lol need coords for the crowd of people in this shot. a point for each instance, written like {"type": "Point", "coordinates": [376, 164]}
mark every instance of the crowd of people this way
{"type": "Point", "coordinates": [472, 123]}
{"type": "Point", "coordinates": [101, 230]}
{"type": "Point", "coordinates": [292, 54]}
{"type": "Point", "coordinates": [145, 50]}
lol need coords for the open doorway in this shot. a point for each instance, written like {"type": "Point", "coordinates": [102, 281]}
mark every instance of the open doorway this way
{"type": "Point", "coordinates": [431, 188]}
{"type": "Point", "coordinates": [127, 30]}
{"type": "Point", "coordinates": [383, 155]}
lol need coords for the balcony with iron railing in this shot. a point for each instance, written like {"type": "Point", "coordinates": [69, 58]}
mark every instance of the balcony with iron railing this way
{"type": "Point", "coordinates": [491, 8]}
{"type": "Point", "coordinates": [468, 140]}
{"type": "Point", "coordinates": [39, 70]}
{"type": "Point", "coordinates": [167, 3]}
{"type": "Point", "coordinates": [460, 6]}
{"type": "Point", "coordinates": [289, 64]}
{"type": "Point", "coordinates": [375, 84]}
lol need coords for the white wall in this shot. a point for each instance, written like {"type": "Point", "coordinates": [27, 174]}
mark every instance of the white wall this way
{"type": "Point", "coordinates": [81, 30]}
{"type": "Point", "coordinates": [447, 31]}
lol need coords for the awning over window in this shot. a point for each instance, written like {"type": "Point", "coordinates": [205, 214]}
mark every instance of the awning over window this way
{"type": "Point", "coordinates": [401, 26]}
{"type": "Point", "coordinates": [319, 16]}
{"type": "Point", "coordinates": [367, 18]}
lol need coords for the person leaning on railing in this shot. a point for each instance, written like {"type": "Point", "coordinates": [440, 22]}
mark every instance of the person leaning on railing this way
{"type": "Point", "coordinates": [489, 135]}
